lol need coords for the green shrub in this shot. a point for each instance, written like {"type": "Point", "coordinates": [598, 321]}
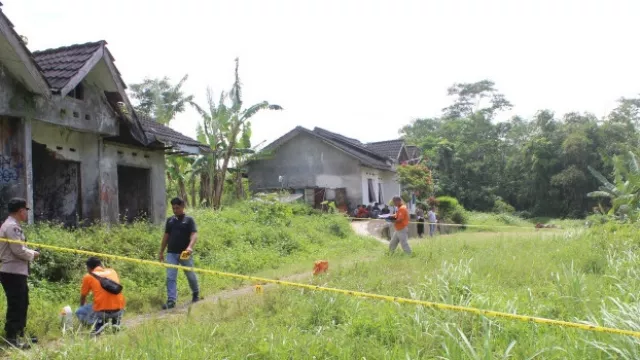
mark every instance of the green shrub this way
{"type": "Point", "coordinates": [459, 215]}
{"type": "Point", "coordinates": [450, 210]}
{"type": "Point", "coordinates": [446, 205]}
{"type": "Point", "coordinates": [502, 207]}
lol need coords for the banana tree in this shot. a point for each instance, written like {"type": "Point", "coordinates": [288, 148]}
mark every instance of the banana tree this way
{"type": "Point", "coordinates": [625, 194]}
{"type": "Point", "coordinates": [177, 170]}
{"type": "Point", "coordinates": [224, 129]}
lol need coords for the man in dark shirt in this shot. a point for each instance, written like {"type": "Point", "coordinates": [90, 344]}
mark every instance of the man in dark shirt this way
{"type": "Point", "coordinates": [180, 234]}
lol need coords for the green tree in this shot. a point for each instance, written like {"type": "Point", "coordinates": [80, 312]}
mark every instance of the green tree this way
{"type": "Point", "coordinates": [223, 127]}
{"type": "Point", "coordinates": [159, 99]}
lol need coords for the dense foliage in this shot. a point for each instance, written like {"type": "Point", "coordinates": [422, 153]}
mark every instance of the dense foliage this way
{"type": "Point", "coordinates": [537, 165]}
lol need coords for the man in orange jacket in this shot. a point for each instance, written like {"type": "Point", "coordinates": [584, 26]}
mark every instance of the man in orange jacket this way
{"type": "Point", "coordinates": [401, 225]}
{"type": "Point", "coordinates": [106, 306]}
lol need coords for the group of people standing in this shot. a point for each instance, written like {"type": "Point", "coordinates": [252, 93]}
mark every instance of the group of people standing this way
{"type": "Point", "coordinates": [179, 239]}
{"type": "Point", "coordinates": [400, 221]}
{"type": "Point", "coordinates": [431, 219]}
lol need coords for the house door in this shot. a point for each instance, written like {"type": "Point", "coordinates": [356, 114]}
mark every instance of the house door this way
{"type": "Point", "coordinates": [318, 197]}
{"type": "Point", "coordinates": [134, 193]}
{"type": "Point", "coordinates": [56, 187]}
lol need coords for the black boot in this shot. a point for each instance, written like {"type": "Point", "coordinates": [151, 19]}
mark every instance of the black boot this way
{"type": "Point", "coordinates": [196, 297]}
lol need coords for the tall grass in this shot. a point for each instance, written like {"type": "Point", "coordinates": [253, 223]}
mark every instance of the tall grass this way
{"type": "Point", "coordinates": [248, 238]}
{"type": "Point", "coordinates": [582, 275]}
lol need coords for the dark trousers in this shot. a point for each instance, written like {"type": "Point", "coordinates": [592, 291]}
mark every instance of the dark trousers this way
{"type": "Point", "coordinates": [420, 227]}
{"type": "Point", "coordinates": [17, 293]}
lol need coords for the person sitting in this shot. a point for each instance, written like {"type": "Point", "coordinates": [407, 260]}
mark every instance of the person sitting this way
{"type": "Point", "coordinates": [362, 212]}
{"type": "Point", "coordinates": [106, 305]}
{"type": "Point", "coordinates": [375, 211]}
{"type": "Point", "coordinates": [356, 210]}
{"type": "Point", "coordinates": [385, 210]}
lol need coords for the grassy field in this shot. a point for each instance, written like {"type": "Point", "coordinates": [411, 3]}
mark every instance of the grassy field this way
{"type": "Point", "coordinates": [583, 275]}
{"type": "Point", "coordinates": [266, 240]}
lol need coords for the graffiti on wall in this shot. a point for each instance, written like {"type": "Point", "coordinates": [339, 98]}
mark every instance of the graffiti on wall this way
{"type": "Point", "coordinates": [12, 163]}
{"type": "Point", "coordinates": [10, 170]}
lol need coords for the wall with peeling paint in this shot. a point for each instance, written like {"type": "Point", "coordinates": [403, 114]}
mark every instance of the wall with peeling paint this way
{"type": "Point", "coordinates": [13, 162]}
{"type": "Point", "coordinates": [114, 155]}
{"type": "Point", "coordinates": [76, 172]}
{"type": "Point", "coordinates": [92, 114]}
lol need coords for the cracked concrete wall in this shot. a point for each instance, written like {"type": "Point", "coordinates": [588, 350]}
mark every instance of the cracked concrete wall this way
{"type": "Point", "coordinates": [13, 162]}
{"type": "Point", "coordinates": [92, 114]}
{"type": "Point", "coordinates": [71, 135]}
{"type": "Point", "coordinates": [305, 162]}
{"type": "Point", "coordinates": [114, 155]}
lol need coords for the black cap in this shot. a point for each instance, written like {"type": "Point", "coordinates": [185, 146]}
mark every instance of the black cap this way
{"type": "Point", "coordinates": [16, 204]}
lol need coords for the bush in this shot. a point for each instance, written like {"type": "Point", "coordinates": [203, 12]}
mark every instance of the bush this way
{"type": "Point", "coordinates": [447, 205]}
{"type": "Point", "coordinates": [502, 207]}
{"type": "Point", "coordinates": [459, 215]}
{"type": "Point", "coordinates": [450, 210]}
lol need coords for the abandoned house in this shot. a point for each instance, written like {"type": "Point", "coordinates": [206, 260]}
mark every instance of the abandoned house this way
{"type": "Point", "coordinates": [70, 142]}
{"type": "Point", "coordinates": [325, 166]}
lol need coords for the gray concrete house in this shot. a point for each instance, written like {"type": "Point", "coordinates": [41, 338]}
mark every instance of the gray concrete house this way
{"type": "Point", "coordinates": [322, 165]}
{"type": "Point", "coordinates": [70, 142]}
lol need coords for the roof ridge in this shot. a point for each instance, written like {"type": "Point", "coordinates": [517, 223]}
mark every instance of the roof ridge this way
{"type": "Point", "coordinates": [384, 141]}
{"type": "Point", "coordinates": [69, 47]}
{"type": "Point", "coordinates": [358, 146]}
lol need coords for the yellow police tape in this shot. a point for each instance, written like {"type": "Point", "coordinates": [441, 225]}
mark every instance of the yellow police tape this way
{"type": "Point", "coordinates": [440, 306]}
{"type": "Point", "coordinates": [460, 225]}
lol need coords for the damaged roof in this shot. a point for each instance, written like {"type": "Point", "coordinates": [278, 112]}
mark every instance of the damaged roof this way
{"type": "Point", "coordinates": [168, 136]}
{"type": "Point", "coordinates": [60, 65]}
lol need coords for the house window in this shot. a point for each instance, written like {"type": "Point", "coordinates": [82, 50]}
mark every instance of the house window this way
{"type": "Point", "coordinates": [372, 192]}
{"type": "Point", "coordinates": [77, 92]}
{"type": "Point", "coordinates": [380, 197]}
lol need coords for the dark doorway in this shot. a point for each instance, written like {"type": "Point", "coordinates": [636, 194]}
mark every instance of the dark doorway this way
{"type": "Point", "coordinates": [134, 193]}
{"type": "Point", "coordinates": [56, 187]}
{"type": "Point", "coordinates": [318, 197]}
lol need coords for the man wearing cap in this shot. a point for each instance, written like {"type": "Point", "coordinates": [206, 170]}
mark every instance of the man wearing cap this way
{"type": "Point", "coordinates": [14, 270]}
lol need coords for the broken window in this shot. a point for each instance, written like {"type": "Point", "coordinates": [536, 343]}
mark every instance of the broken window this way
{"type": "Point", "coordinates": [372, 191]}
{"type": "Point", "coordinates": [134, 193]}
{"type": "Point", "coordinates": [77, 92]}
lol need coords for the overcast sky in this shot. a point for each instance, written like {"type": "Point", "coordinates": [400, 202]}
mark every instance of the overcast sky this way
{"type": "Point", "coordinates": [361, 68]}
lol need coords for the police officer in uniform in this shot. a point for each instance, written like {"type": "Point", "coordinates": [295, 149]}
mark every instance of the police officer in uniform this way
{"type": "Point", "coordinates": [14, 271]}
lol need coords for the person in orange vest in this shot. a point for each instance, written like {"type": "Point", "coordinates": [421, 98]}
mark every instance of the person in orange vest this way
{"type": "Point", "coordinates": [106, 306]}
{"type": "Point", "coordinates": [401, 225]}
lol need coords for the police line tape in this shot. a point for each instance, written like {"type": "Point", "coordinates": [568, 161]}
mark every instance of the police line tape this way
{"type": "Point", "coordinates": [458, 225]}
{"type": "Point", "coordinates": [395, 299]}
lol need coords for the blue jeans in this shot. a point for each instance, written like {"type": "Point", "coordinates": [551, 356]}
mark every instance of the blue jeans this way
{"type": "Point", "coordinates": [432, 229]}
{"type": "Point", "coordinates": [87, 316]}
{"type": "Point", "coordinates": [172, 276]}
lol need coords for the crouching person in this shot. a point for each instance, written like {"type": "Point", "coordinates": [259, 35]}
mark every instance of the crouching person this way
{"type": "Point", "coordinates": [108, 300]}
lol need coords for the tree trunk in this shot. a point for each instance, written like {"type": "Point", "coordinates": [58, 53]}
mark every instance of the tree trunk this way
{"type": "Point", "coordinates": [192, 184]}
{"type": "Point", "coordinates": [183, 191]}
{"type": "Point", "coordinates": [204, 189]}
{"type": "Point", "coordinates": [239, 187]}
{"type": "Point", "coordinates": [223, 170]}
